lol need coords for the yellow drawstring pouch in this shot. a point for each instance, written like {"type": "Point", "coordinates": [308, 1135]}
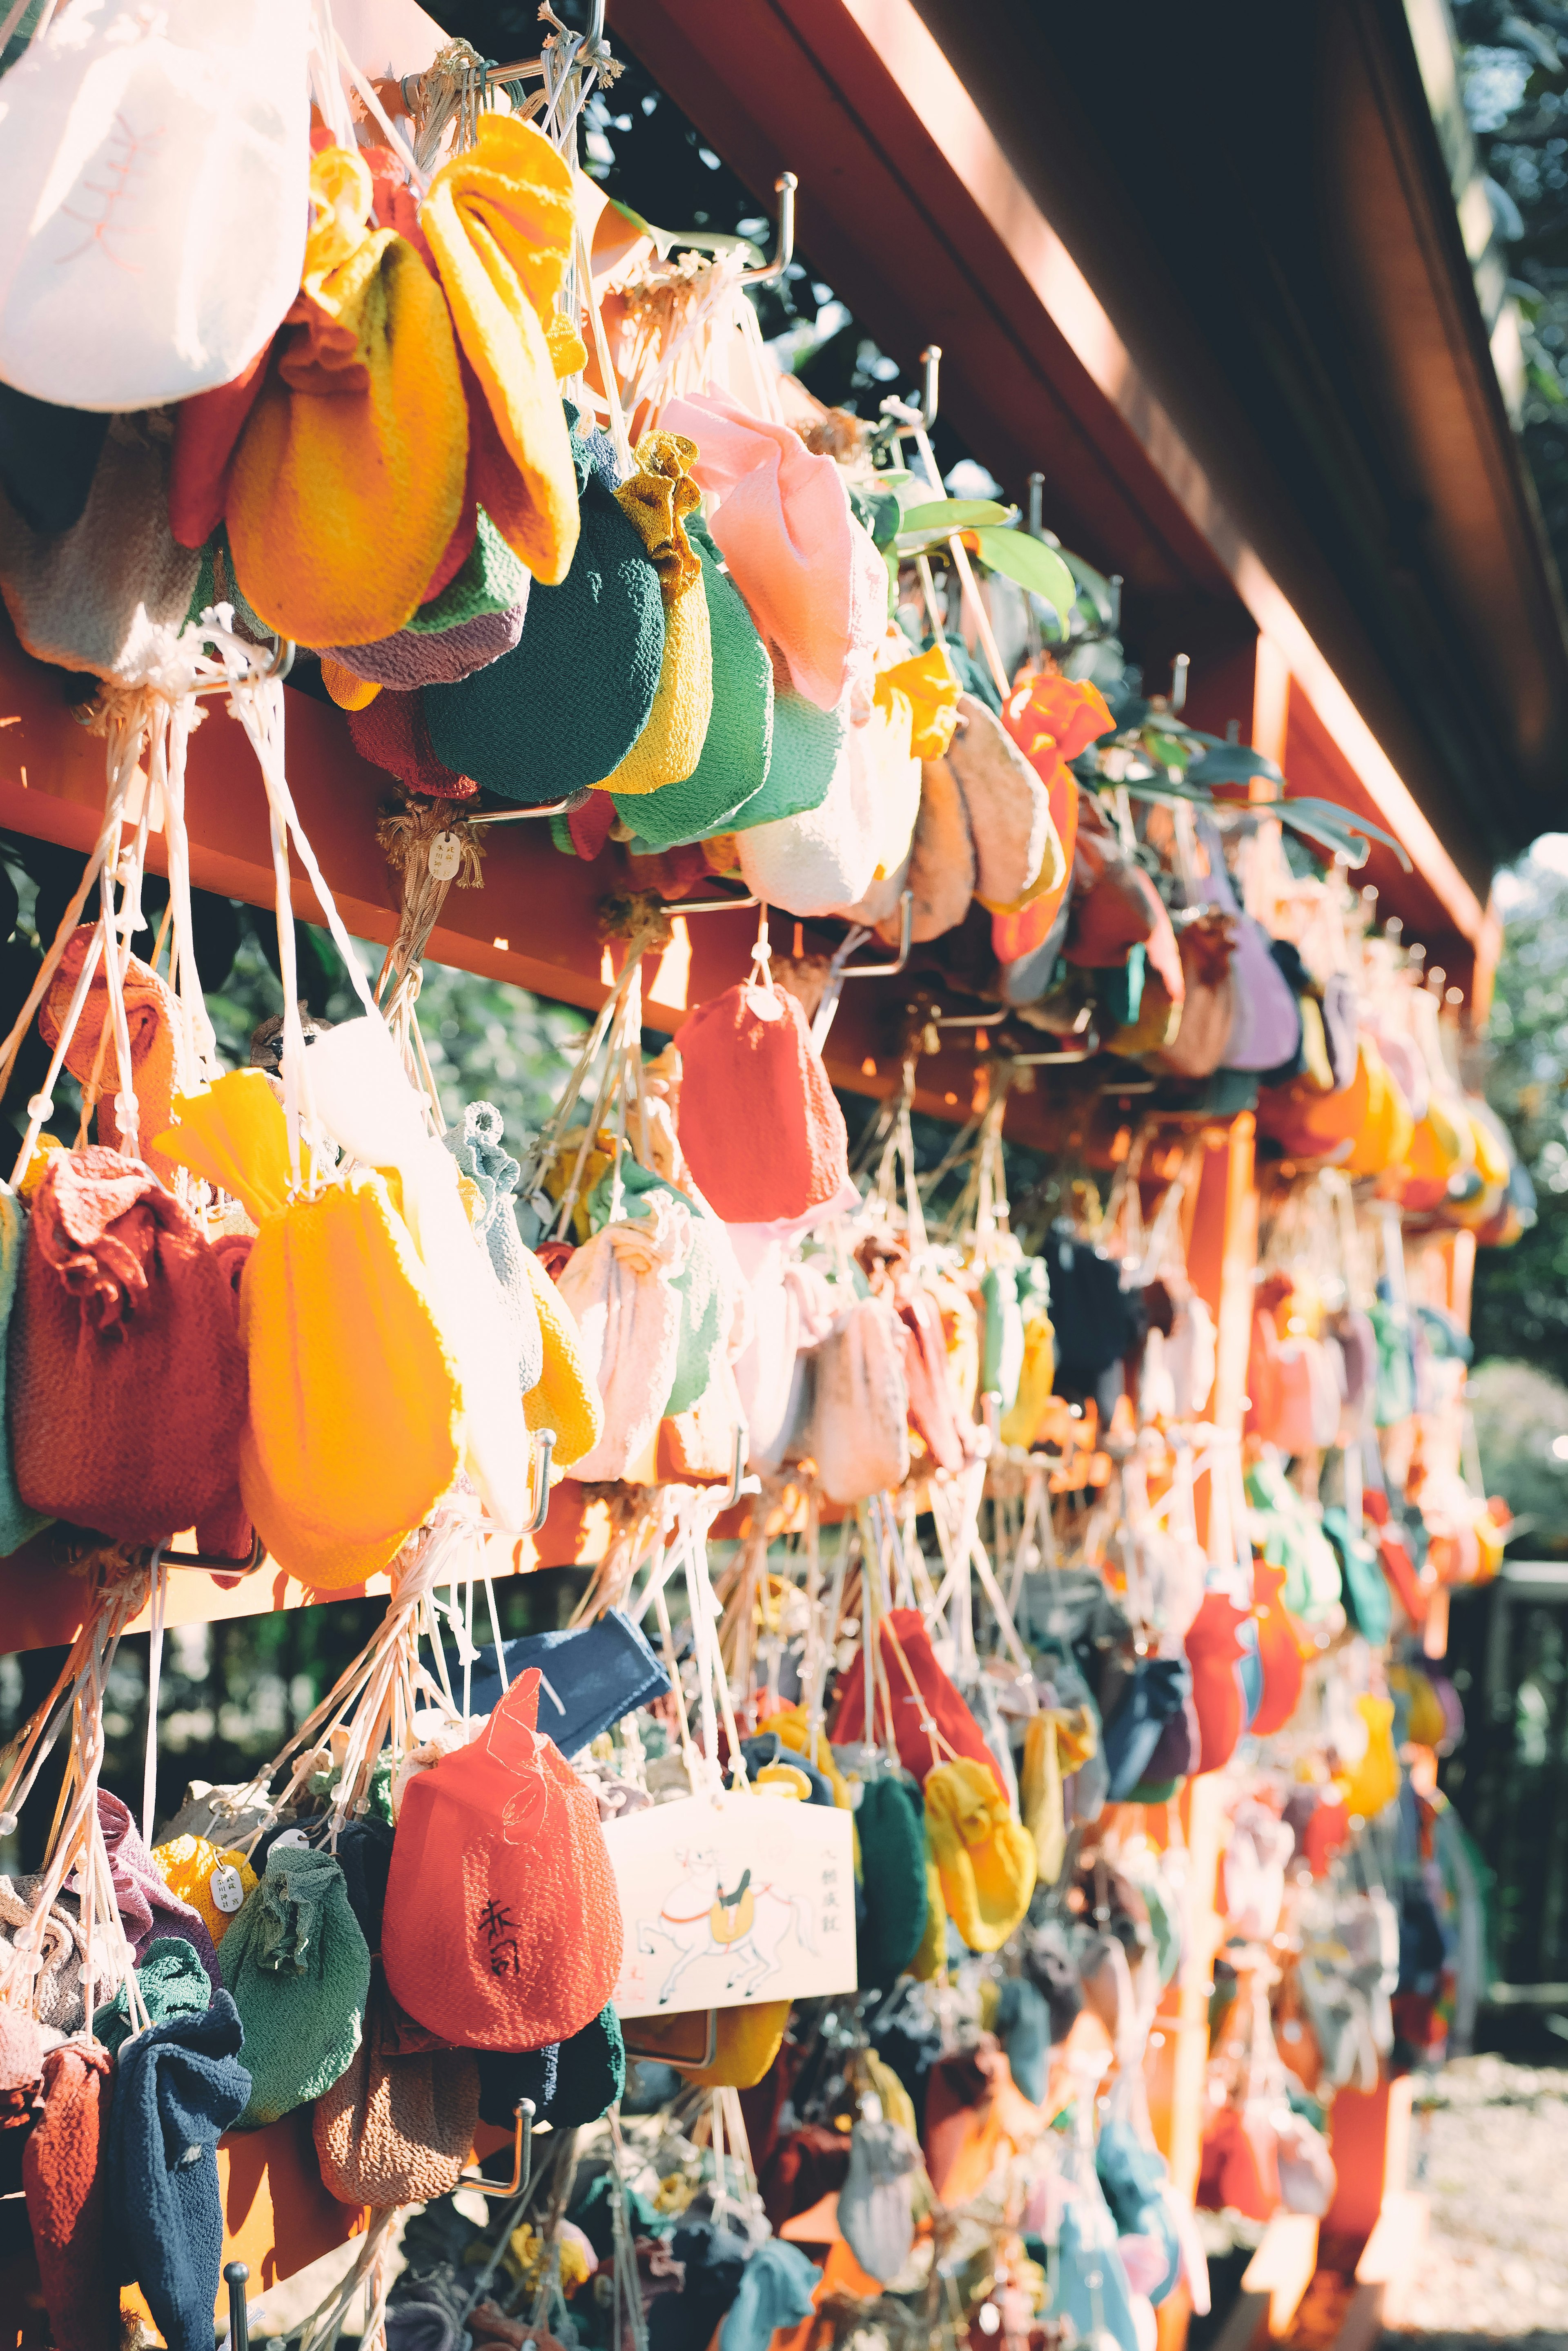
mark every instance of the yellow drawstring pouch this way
{"type": "Point", "coordinates": [1374, 1780]}
{"type": "Point", "coordinates": [1021, 1421]}
{"type": "Point", "coordinates": [748, 2040]}
{"type": "Point", "coordinates": [349, 478]}
{"type": "Point", "coordinates": [348, 691]}
{"type": "Point", "coordinates": [356, 1413]}
{"type": "Point", "coordinates": [1040, 1796]}
{"type": "Point", "coordinates": [1383, 1137]}
{"type": "Point", "coordinates": [930, 1960]}
{"type": "Point", "coordinates": [929, 684]}
{"type": "Point", "coordinates": [566, 1398]}
{"type": "Point", "coordinates": [985, 1859]}
{"type": "Point", "coordinates": [499, 221]}
{"type": "Point", "coordinates": [1427, 1725]}
{"type": "Point", "coordinates": [213, 1882]}
{"type": "Point", "coordinates": [656, 501]}
{"type": "Point", "coordinates": [234, 1136]}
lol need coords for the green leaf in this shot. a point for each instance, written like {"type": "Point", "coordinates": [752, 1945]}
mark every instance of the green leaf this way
{"type": "Point", "coordinates": [1338, 829]}
{"type": "Point", "coordinates": [1094, 587]}
{"type": "Point", "coordinates": [1232, 763]}
{"type": "Point", "coordinates": [881, 516]}
{"type": "Point", "coordinates": [1171, 750]}
{"type": "Point", "coordinates": [1036, 566]}
{"type": "Point", "coordinates": [1165, 788]}
{"type": "Point", "coordinates": [948, 515]}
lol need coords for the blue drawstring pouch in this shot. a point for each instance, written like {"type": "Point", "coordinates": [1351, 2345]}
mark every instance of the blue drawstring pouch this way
{"type": "Point", "coordinates": [178, 2087]}
{"type": "Point", "coordinates": [592, 1677]}
{"type": "Point", "coordinates": [1158, 1688]}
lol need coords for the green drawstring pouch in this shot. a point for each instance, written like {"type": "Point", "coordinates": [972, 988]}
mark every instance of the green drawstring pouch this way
{"type": "Point", "coordinates": [738, 747]}
{"type": "Point", "coordinates": [807, 747]}
{"type": "Point", "coordinates": [890, 1824]}
{"type": "Point", "coordinates": [492, 581]}
{"type": "Point", "coordinates": [1001, 1346]}
{"type": "Point", "coordinates": [1366, 1592]}
{"type": "Point", "coordinates": [699, 1285]}
{"type": "Point", "coordinates": [1118, 989]}
{"type": "Point", "coordinates": [1292, 1538]}
{"type": "Point", "coordinates": [18, 1524]}
{"type": "Point", "coordinates": [590, 2075]}
{"type": "Point", "coordinates": [299, 1970]}
{"type": "Point", "coordinates": [1395, 1399]}
{"type": "Point", "coordinates": [561, 711]}
{"type": "Point", "coordinates": [172, 1981]}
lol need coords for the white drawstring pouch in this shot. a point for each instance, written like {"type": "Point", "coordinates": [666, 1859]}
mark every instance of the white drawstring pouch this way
{"type": "Point", "coordinates": [156, 170]}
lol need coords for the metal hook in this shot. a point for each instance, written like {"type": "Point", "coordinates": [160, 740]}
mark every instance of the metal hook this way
{"type": "Point", "coordinates": [1179, 670]}
{"type": "Point", "coordinates": [707, 905]}
{"type": "Point", "coordinates": [930, 360]}
{"type": "Point", "coordinates": [771, 274]}
{"type": "Point", "coordinates": [740, 1484]}
{"type": "Point", "coordinates": [906, 933]}
{"type": "Point", "coordinates": [1044, 1060]}
{"type": "Point", "coordinates": [543, 1447]}
{"type": "Point", "coordinates": [235, 2277]}
{"type": "Point", "coordinates": [522, 2158]}
{"type": "Point", "coordinates": [547, 808]}
{"type": "Point", "coordinates": [1036, 505]}
{"type": "Point", "coordinates": [215, 1560]}
{"type": "Point", "coordinates": [284, 650]}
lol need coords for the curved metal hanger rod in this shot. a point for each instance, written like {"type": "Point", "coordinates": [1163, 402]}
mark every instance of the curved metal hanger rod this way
{"type": "Point", "coordinates": [284, 650]}
{"type": "Point", "coordinates": [785, 187]}
{"type": "Point", "coordinates": [906, 933]}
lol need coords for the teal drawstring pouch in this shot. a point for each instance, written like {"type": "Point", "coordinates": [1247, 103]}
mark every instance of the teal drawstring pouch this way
{"type": "Point", "coordinates": [807, 745]}
{"type": "Point", "coordinates": [299, 1970]}
{"type": "Point", "coordinates": [18, 1524]}
{"type": "Point", "coordinates": [738, 747]}
{"type": "Point", "coordinates": [478, 1149]}
{"type": "Point", "coordinates": [1366, 1591]}
{"type": "Point", "coordinates": [891, 1823]}
{"type": "Point", "coordinates": [561, 711]}
{"type": "Point", "coordinates": [172, 1981]}
{"type": "Point", "coordinates": [1001, 1348]}
{"type": "Point", "coordinates": [699, 1286]}
{"type": "Point", "coordinates": [590, 2075]}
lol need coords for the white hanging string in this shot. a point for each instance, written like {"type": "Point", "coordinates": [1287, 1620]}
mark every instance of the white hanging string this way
{"type": "Point", "coordinates": [154, 1680]}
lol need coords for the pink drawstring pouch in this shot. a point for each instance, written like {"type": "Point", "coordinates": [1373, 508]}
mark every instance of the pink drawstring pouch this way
{"type": "Point", "coordinates": [781, 518]}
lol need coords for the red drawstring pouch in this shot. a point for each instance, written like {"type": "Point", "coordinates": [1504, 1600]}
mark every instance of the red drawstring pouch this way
{"type": "Point", "coordinates": [933, 1698]}
{"type": "Point", "coordinates": [1212, 1649]}
{"type": "Point", "coordinates": [128, 1378]}
{"type": "Point", "coordinates": [1277, 1652]}
{"type": "Point", "coordinates": [1400, 1569]}
{"type": "Point", "coordinates": [227, 1532]}
{"type": "Point", "coordinates": [763, 1134]}
{"type": "Point", "coordinates": [62, 2179]}
{"type": "Point", "coordinates": [1239, 2170]}
{"type": "Point", "coordinates": [502, 1927]}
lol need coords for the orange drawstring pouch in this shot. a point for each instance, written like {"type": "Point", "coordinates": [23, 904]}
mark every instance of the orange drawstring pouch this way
{"type": "Point", "coordinates": [761, 1128]}
{"type": "Point", "coordinates": [356, 1420]}
{"type": "Point", "coordinates": [503, 1924]}
{"type": "Point", "coordinates": [150, 1015]}
{"type": "Point", "coordinates": [499, 222]}
{"type": "Point", "coordinates": [349, 477]}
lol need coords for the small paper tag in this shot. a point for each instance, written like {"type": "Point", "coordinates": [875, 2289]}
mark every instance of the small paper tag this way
{"type": "Point", "coordinates": [227, 1888]}
{"type": "Point", "coordinates": [446, 856]}
{"type": "Point", "coordinates": [289, 1839]}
